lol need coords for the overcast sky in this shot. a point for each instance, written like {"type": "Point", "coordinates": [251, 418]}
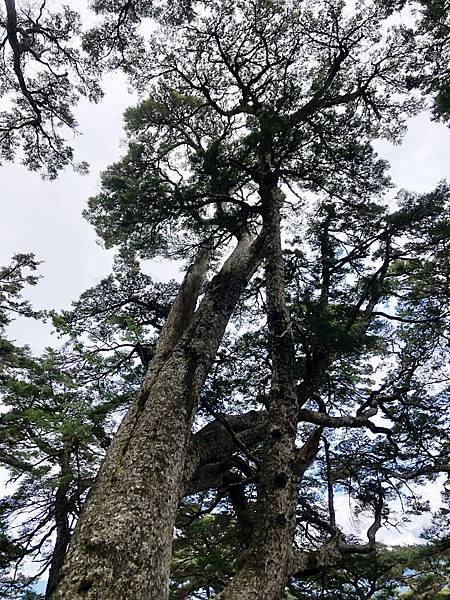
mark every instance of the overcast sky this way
{"type": "Point", "coordinates": [45, 217]}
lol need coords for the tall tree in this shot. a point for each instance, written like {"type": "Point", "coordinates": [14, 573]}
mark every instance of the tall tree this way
{"type": "Point", "coordinates": [254, 97]}
{"type": "Point", "coordinates": [259, 117]}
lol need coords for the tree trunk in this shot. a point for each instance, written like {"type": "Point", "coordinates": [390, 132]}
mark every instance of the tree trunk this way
{"type": "Point", "coordinates": [265, 568]}
{"type": "Point", "coordinates": [61, 510]}
{"type": "Point", "coordinates": [121, 548]}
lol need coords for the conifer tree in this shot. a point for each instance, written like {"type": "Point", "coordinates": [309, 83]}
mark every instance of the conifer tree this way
{"type": "Point", "coordinates": [251, 155]}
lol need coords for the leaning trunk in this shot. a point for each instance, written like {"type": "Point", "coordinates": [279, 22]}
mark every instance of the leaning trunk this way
{"type": "Point", "coordinates": [121, 548]}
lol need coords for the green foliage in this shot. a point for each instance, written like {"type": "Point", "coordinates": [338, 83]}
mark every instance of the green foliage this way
{"type": "Point", "coordinates": [208, 545]}
{"type": "Point", "coordinates": [42, 75]}
{"type": "Point", "coordinates": [419, 572]}
{"type": "Point", "coordinates": [13, 278]}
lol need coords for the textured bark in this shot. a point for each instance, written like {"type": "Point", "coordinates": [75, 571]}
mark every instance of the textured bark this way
{"type": "Point", "coordinates": [266, 567]}
{"type": "Point", "coordinates": [121, 548]}
{"type": "Point", "coordinates": [182, 310]}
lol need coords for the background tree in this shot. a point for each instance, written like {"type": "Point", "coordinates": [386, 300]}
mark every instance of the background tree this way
{"type": "Point", "coordinates": [13, 278]}
{"type": "Point", "coordinates": [407, 572]}
{"type": "Point", "coordinates": [42, 75]}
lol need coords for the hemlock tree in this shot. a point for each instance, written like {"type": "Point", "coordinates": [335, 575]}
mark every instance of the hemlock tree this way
{"type": "Point", "coordinates": [13, 278]}
{"type": "Point", "coordinates": [257, 128]}
{"type": "Point", "coordinates": [123, 310]}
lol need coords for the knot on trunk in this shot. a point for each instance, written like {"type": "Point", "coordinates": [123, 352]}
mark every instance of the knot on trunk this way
{"type": "Point", "coordinates": [276, 434]}
{"type": "Point", "coordinates": [281, 520]}
{"type": "Point", "coordinates": [281, 480]}
{"type": "Point", "coordinates": [85, 585]}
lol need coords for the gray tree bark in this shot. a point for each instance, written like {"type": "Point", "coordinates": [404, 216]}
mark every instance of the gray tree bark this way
{"type": "Point", "coordinates": [121, 548]}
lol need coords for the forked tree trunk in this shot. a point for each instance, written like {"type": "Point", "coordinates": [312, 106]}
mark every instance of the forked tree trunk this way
{"type": "Point", "coordinates": [121, 548]}
{"type": "Point", "coordinates": [265, 568]}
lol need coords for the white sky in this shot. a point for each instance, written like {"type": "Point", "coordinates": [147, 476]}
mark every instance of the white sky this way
{"type": "Point", "coordinates": [45, 217]}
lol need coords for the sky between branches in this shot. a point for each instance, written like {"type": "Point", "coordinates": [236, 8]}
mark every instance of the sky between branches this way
{"type": "Point", "coordinates": [45, 217]}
